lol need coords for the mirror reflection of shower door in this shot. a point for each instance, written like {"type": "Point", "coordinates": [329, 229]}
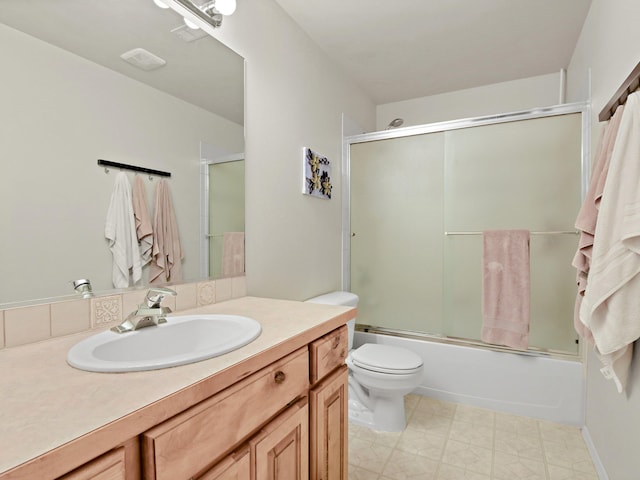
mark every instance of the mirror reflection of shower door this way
{"type": "Point", "coordinates": [396, 195]}
{"type": "Point", "coordinates": [226, 207]}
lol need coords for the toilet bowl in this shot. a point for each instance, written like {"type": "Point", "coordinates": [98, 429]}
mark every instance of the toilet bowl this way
{"type": "Point", "coordinates": [379, 376]}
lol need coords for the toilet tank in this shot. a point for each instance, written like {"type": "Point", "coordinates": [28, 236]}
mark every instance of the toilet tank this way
{"type": "Point", "coordinates": [346, 299]}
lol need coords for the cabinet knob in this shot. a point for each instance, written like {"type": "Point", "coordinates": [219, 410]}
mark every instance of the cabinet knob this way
{"type": "Point", "coordinates": [279, 377]}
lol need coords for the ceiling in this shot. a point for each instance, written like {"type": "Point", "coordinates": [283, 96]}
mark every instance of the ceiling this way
{"type": "Point", "coordinates": [413, 48]}
{"type": "Point", "coordinates": [394, 50]}
{"type": "Point", "coordinates": [101, 31]}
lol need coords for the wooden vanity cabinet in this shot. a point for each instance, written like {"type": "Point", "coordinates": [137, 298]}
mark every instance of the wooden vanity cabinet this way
{"type": "Point", "coordinates": [287, 421]}
{"type": "Point", "coordinates": [309, 439]}
{"type": "Point", "coordinates": [281, 449]}
{"type": "Point", "coordinates": [202, 435]}
{"type": "Point", "coordinates": [121, 463]}
{"type": "Point", "coordinates": [328, 398]}
{"type": "Point", "coordinates": [237, 466]}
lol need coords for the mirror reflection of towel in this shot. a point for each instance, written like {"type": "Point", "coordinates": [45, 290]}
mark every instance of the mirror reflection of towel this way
{"type": "Point", "coordinates": [506, 288]}
{"type": "Point", "coordinates": [232, 254]}
{"type": "Point", "coordinates": [166, 262]}
{"type": "Point", "coordinates": [144, 230]}
{"type": "Point", "coordinates": [120, 230]}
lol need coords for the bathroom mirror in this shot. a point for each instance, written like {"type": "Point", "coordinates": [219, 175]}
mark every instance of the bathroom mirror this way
{"type": "Point", "coordinates": [69, 99]}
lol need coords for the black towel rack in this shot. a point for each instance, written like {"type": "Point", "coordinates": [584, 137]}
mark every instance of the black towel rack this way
{"type": "Point", "coordinates": [148, 171]}
{"type": "Point", "coordinates": [630, 85]}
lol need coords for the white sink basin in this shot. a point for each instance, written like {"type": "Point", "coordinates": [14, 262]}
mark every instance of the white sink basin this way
{"type": "Point", "coordinates": [183, 339]}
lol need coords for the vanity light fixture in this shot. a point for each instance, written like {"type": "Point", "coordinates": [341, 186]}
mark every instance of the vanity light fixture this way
{"type": "Point", "coordinates": [210, 11]}
{"type": "Point", "coordinates": [160, 4]}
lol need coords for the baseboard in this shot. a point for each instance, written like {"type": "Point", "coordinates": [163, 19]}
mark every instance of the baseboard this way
{"type": "Point", "coordinates": [602, 473]}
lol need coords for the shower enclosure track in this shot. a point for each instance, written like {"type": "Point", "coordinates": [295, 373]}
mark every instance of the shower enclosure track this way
{"type": "Point", "coordinates": [434, 337]}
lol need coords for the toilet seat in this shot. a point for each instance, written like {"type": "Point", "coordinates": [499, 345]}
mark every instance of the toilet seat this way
{"type": "Point", "coordinates": [386, 359]}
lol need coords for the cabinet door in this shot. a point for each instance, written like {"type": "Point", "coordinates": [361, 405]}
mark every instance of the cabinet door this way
{"type": "Point", "coordinates": [110, 466]}
{"type": "Point", "coordinates": [281, 449]}
{"type": "Point", "coordinates": [236, 466]}
{"type": "Point", "coordinates": [328, 425]}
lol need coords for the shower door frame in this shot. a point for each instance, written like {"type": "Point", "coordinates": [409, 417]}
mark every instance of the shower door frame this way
{"type": "Point", "coordinates": [582, 108]}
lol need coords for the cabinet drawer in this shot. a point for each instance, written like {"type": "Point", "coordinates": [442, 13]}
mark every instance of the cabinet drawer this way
{"type": "Point", "coordinates": [328, 352]}
{"type": "Point", "coordinates": [187, 443]}
{"type": "Point", "coordinates": [110, 466]}
{"type": "Point", "coordinates": [236, 466]}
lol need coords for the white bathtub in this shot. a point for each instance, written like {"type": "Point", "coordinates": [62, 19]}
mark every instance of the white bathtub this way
{"type": "Point", "coordinates": [533, 386]}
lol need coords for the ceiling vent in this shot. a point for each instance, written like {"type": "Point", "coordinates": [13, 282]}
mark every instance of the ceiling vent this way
{"type": "Point", "coordinates": [143, 59]}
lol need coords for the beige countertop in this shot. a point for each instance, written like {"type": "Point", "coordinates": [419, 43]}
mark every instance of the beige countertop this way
{"type": "Point", "coordinates": [45, 403]}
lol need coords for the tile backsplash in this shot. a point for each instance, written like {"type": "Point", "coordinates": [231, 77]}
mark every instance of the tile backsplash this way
{"type": "Point", "coordinates": [29, 324]}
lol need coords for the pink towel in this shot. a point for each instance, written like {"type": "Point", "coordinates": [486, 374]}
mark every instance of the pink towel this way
{"type": "Point", "coordinates": [144, 230]}
{"type": "Point", "coordinates": [505, 288]}
{"type": "Point", "coordinates": [588, 216]}
{"type": "Point", "coordinates": [166, 264]}
{"type": "Point", "coordinates": [611, 301]}
{"type": "Point", "coordinates": [232, 254]}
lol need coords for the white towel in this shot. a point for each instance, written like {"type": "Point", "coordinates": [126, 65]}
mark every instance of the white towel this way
{"type": "Point", "coordinates": [588, 216]}
{"type": "Point", "coordinates": [611, 305]}
{"type": "Point", "coordinates": [120, 230]}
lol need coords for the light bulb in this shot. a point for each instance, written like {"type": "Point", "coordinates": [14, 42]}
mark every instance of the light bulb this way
{"type": "Point", "coordinates": [190, 24]}
{"type": "Point", "coordinates": [226, 7]}
{"type": "Point", "coordinates": [160, 4]}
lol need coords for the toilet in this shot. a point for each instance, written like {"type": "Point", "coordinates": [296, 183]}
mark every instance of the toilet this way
{"type": "Point", "coordinates": [379, 375]}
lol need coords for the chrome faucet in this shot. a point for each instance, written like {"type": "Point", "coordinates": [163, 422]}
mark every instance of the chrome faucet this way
{"type": "Point", "coordinates": [83, 287]}
{"type": "Point", "coordinates": [148, 313]}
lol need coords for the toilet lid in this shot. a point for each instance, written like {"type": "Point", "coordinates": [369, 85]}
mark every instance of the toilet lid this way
{"type": "Point", "coordinates": [386, 359]}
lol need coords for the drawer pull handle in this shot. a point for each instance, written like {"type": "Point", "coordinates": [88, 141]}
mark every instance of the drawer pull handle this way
{"type": "Point", "coordinates": [279, 377]}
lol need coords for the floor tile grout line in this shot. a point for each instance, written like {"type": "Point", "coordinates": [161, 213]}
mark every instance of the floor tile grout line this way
{"type": "Point", "coordinates": [517, 430]}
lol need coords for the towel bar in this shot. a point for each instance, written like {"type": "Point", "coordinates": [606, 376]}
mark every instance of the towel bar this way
{"type": "Point", "coordinates": [561, 232]}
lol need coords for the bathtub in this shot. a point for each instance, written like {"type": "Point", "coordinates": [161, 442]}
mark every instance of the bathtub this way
{"type": "Point", "coordinates": [533, 386]}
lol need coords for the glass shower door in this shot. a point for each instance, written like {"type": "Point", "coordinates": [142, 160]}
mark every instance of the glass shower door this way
{"type": "Point", "coordinates": [419, 204]}
{"type": "Point", "coordinates": [396, 231]}
{"type": "Point", "coordinates": [516, 175]}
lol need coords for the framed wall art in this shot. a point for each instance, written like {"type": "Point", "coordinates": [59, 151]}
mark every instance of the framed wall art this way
{"type": "Point", "coordinates": [317, 174]}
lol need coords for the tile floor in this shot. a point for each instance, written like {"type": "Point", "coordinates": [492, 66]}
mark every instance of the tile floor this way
{"type": "Point", "coordinates": [448, 441]}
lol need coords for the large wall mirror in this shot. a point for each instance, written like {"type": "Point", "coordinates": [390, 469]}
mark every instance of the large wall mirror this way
{"type": "Point", "coordinates": [69, 99]}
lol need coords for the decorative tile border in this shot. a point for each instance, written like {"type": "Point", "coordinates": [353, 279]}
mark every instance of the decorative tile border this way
{"type": "Point", "coordinates": [29, 324]}
{"type": "Point", "coordinates": [206, 293]}
{"type": "Point", "coordinates": [106, 310]}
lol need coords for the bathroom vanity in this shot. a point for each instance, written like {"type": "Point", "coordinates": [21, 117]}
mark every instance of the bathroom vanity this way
{"type": "Point", "coordinates": [274, 409]}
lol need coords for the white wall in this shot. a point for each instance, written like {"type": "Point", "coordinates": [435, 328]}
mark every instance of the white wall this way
{"type": "Point", "coordinates": [610, 46]}
{"type": "Point", "coordinates": [295, 98]}
{"type": "Point", "coordinates": [503, 97]}
{"type": "Point", "coordinates": [60, 114]}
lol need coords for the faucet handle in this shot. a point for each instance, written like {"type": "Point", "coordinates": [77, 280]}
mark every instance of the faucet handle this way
{"type": "Point", "coordinates": [155, 295]}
